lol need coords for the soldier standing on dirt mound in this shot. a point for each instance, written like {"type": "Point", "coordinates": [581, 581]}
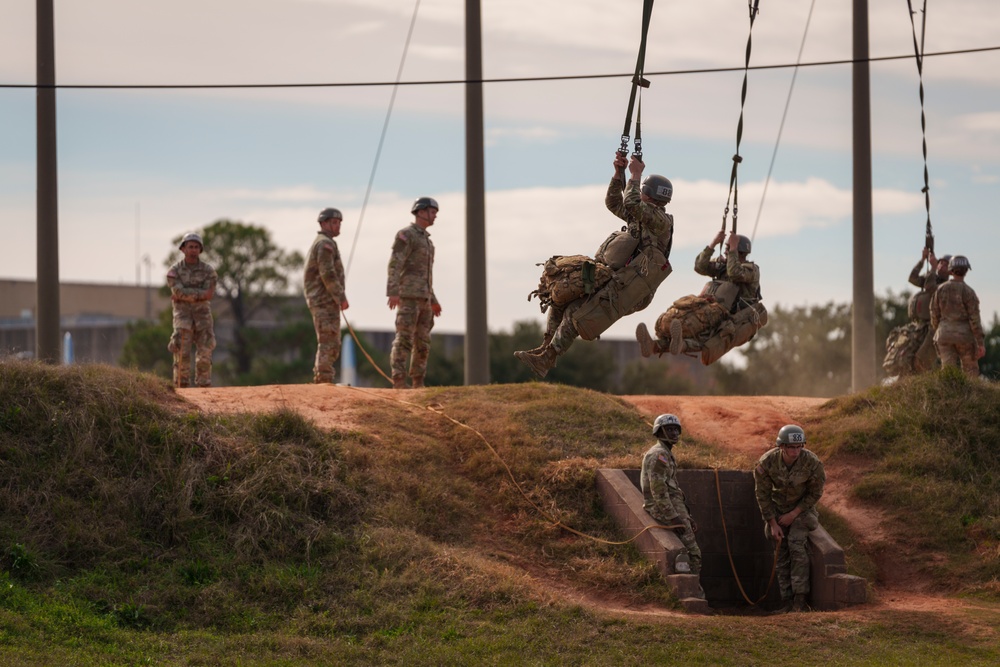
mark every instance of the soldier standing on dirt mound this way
{"type": "Point", "coordinates": [788, 483]}
{"type": "Point", "coordinates": [324, 289]}
{"type": "Point", "coordinates": [642, 209]}
{"type": "Point", "coordinates": [928, 283]}
{"type": "Point", "coordinates": [411, 288]}
{"type": "Point", "coordinates": [958, 334]}
{"type": "Point", "coordinates": [663, 498]}
{"type": "Point", "coordinates": [192, 286]}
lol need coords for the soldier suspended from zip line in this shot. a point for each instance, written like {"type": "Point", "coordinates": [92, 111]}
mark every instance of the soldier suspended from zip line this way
{"type": "Point", "coordinates": [726, 314]}
{"type": "Point", "coordinates": [647, 236]}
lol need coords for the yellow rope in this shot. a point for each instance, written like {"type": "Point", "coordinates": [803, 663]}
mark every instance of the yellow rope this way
{"type": "Point", "coordinates": [729, 552]}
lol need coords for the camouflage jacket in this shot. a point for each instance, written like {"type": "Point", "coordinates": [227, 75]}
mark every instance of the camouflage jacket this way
{"type": "Point", "coordinates": [411, 265]}
{"type": "Point", "coordinates": [648, 222]}
{"type": "Point", "coordinates": [781, 489]}
{"type": "Point", "coordinates": [955, 312]}
{"type": "Point", "coordinates": [927, 281]}
{"type": "Point", "coordinates": [662, 497]}
{"type": "Point", "coordinates": [745, 274]}
{"type": "Point", "coordinates": [324, 278]}
{"type": "Point", "coordinates": [191, 285]}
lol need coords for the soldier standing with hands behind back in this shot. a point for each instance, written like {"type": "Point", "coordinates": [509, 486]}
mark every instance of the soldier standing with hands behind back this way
{"type": "Point", "coordinates": [192, 286]}
{"type": "Point", "coordinates": [324, 288]}
{"type": "Point", "coordinates": [410, 289]}
{"type": "Point", "coordinates": [958, 334]}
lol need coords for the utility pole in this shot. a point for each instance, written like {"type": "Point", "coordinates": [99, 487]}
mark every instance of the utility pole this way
{"type": "Point", "coordinates": [477, 359]}
{"type": "Point", "coordinates": [47, 202]}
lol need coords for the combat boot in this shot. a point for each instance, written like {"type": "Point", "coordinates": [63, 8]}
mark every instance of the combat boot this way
{"type": "Point", "coordinates": [786, 606]}
{"type": "Point", "coordinates": [417, 381]}
{"type": "Point", "coordinates": [398, 382]}
{"type": "Point", "coordinates": [676, 336]}
{"type": "Point", "coordinates": [647, 346]}
{"type": "Point", "coordinates": [546, 339]}
{"type": "Point", "coordinates": [540, 362]}
{"type": "Point", "coordinates": [799, 603]}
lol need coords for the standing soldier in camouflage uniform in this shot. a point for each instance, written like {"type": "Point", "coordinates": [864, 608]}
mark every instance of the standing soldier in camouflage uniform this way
{"type": "Point", "coordinates": [662, 497]}
{"type": "Point", "coordinates": [324, 290]}
{"type": "Point", "coordinates": [192, 286]}
{"type": "Point", "coordinates": [789, 482]}
{"type": "Point", "coordinates": [642, 207]}
{"type": "Point", "coordinates": [955, 316]}
{"type": "Point", "coordinates": [411, 288]}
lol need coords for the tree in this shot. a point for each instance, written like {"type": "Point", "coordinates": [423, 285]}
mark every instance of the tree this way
{"type": "Point", "coordinates": [253, 273]}
{"type": "Point", "coordinates": [146, 346]}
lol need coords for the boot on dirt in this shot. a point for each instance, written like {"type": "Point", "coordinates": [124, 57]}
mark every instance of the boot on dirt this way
{"type": "Point", "coordinates": [417, 381]}
{"type": "Point", "coordinates": [540, 362]}
{"type": "Point", "coordinates": [647, 346]}
{"type": "Point", "coordinates": [786, 606]}
{"type": "Point", "coordinates": [676, 337]}
{"type": "Point", "coordinates": [799, 603]}
{"type": "Point", "coordinates": [398, 382]}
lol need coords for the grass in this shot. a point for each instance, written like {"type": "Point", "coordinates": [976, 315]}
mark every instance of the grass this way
{"type": "Point", "coordinates": [134, 530]}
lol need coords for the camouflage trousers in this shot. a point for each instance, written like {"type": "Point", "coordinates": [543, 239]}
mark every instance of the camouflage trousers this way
{"type": "Point", "coordinates": [326, 322]}
{"type": "Point", "coordinates": [793, 556]}
{"type": "Point", "coordinates": [203, 339]}
{"type": "Point", "coordinates": [961, 354]}
{"type": "Point", "coordinates": [926, 357]}
{"type": "Point", "coordinates": [687, 538]}
{"type": "Point", "coordinates": [559, 325]}
{"type": "Point", "coordinates": [414, 321]}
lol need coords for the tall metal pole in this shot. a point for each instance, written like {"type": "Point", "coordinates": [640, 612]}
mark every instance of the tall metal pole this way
{"type": "Point", "coordinates": [477, 360]}
{"type": "Point", "coordinates": [863, 320]}
{"type": "Point", "coordinates": [47, 204]}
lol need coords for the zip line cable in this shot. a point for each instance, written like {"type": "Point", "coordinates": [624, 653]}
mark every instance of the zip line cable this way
{"type": "Point", "coordinates": [781, 126]}
{"type": "Point", "coordinates": [919, 57]}
{"type": "Point", "coordinates": [754, 8]}
{"type": "Point", "coordinates": [444, 82]}
{"type": "Point", "coordinates": [381, 139]}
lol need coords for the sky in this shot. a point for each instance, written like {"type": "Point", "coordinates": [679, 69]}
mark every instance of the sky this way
{"type": "Point", "coordinates": [139, 167]}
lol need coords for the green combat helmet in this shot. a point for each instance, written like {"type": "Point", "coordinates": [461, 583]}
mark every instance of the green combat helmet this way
{"type": "Point", "coordinates": [191, 236]}
{"type": "Point", "coordinates": [425, 202]}
{"type": "Point", "coordinates": [330, 213]}
{"type": "Point", "coordinates": [791, 435]}
{"type": "Point", "coordinates": [667, 428]}
{"type": "Point", "coordinates": [658, 188]}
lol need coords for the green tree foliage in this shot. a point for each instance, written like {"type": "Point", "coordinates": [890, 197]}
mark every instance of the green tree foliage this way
{"type": "Point", "coordinates": [989, 366]}
{"type": "Point", "coordinates": [806, 350]}
{"type": "Point", "coordinates": [146, 347]}
{"type": "Point", "coordinates": [253, 272]}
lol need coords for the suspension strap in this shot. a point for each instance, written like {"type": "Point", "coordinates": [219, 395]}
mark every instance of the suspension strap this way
{"type": "Point", "coordinates": [637, 81]}
{"type": "Point", "coordinates": [733, 180]}
{"type": "Point", "coordinates": [918, 49]}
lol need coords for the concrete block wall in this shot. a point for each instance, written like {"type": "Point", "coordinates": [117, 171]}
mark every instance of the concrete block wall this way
{"type": "Point", "coordinates": [752, 554]}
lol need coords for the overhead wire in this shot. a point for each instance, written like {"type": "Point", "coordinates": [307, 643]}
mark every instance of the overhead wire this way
{"type": "Point", "coordinates": [784, 115]}
{"type": "Point", "coordinates": [381, 139]}
{"type": "Point", "coordinates": [443, 82]}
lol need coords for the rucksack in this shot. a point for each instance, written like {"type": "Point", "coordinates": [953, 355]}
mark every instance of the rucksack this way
{"type": "Point", "coordinates": [617, 249]}
{"type": "Point", "coordinates": [901, 347]}
{"type": "Point", "coordinates": [566, 278]}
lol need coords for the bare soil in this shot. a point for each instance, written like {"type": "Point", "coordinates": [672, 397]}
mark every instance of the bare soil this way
{"type": "Point", "coordinates": [744, 425]}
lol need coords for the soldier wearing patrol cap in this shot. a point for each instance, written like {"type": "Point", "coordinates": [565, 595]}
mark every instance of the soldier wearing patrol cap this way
{"type": "Point", "coordinates": [788, 482]}
{"type": "Point", "coordinates": [192, 286]}
{"type": "Point", "coordinates": [410, 288]}
{"type": "Point", "coordinates": [325, 293]}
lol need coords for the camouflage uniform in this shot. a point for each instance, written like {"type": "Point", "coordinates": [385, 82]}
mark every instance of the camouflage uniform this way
{"type": "Point", "coordinates": [411, 268]}
{"type": "Point", "coordinates": [959, 329]}
{"type": "Point", "coordinates": [653, 226]}
{"type": "Point", "coordinates": [780, 489]}
{"type": "Point", "coordinates": [663, 498]}
{"type": "Point", "coordinates": [324, 290]}
{"type": "Point", "coordinates": [191, 289]}
{"type": "Point", "coordinates": [699, 326]}
{"type": "Point", "coordinates": [928, 283]}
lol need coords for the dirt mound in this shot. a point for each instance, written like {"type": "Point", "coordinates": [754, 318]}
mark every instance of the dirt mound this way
{"type": "Point", "coordinates": [743, 425]}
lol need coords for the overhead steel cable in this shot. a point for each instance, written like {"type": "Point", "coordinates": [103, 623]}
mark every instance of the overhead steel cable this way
{"type": "Point", "coordinates": [381, 139]}
{"type": "Point", "coordinates": [784, 115]}
{"type": "Point", "coordinates": [446, 82]}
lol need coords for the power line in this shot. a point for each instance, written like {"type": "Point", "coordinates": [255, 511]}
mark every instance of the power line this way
{"type": "Point", "coordinates": [446, 82]}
